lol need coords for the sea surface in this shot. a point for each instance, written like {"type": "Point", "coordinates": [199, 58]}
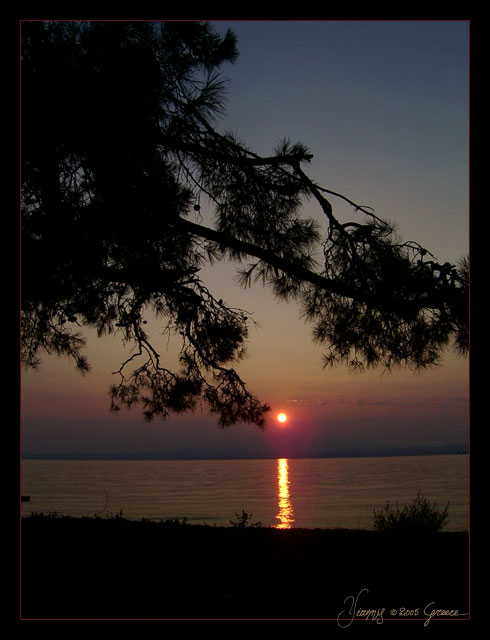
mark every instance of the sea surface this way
{"type": "Point", "coordinates": [284, 493]}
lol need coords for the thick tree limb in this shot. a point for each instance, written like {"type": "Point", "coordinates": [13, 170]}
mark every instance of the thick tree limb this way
{"type": "Point", "coordinates": [298, 271]}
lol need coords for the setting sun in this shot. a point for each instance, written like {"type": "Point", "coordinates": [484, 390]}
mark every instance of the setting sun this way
{"type": "Point", "coordinates": [282, 417]}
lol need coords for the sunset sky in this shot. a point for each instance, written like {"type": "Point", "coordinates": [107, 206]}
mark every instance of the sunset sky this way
{"type": "Point", "coordinates": [384, 108]}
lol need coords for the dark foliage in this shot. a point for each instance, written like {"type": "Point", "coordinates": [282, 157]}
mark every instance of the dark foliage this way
{"type": "Point", "coordinates": [244, 520]}
{"type": "Point", "coordinates": [420, 516]}
{"type": "Point", "coordinates": [119, 147]}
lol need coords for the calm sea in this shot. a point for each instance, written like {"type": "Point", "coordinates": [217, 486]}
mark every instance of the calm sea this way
{"type": "Point", "coordinates": [319, 492]}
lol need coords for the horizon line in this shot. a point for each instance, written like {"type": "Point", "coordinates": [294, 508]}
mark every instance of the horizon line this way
{"type": "Point", "coordinates": [187, 457]}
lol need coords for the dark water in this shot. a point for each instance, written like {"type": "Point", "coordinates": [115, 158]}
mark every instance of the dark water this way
{"type": "Point", "coordinates": [319, 492]}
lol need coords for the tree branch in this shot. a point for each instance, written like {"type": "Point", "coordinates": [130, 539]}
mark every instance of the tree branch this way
{"type": "Point", "coordinates": [297, 271]}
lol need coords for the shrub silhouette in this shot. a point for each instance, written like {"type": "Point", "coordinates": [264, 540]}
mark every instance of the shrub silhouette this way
{"type": "Point", "coordinates": [243, 520]}
{"type": "Point", "coordinates": [420, 517]}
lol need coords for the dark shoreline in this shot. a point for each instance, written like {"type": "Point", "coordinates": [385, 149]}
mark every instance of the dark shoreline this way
{"type": "Point", "coordinates": [449, 450]}
{"type": "Point", "coordinates": [99, 568]}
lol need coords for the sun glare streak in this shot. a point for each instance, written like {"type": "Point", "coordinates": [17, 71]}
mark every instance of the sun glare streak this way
{"type": "Point", "coordinates": [285, 515]}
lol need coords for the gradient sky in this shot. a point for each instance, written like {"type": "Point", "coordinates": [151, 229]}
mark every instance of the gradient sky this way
{"type": "Point", "coordinates": [384, 108]}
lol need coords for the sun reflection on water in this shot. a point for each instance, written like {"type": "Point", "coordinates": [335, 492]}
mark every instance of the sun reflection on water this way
{"type": "Point", "coordinates": [285, 515]}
